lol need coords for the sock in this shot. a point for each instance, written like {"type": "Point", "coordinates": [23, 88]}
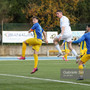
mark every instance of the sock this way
{"type": "Point", "coordinates": [65, 56]}
{"type": "Point", "coordinates": [80, 67]}
{"type": "Point", "coordinates": [58, 48]}
{"type": "Point", "coordinates": [35, 60]}
{"type": "Point", "coordinates": [74, 52]}
{"type": "Point", "coordinates": [23, 49]}
{"type": "Point", "coordinates": [81, 72]}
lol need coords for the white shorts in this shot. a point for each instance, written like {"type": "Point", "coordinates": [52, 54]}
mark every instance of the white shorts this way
{"type": "Point", "coordinates": [65, 37]}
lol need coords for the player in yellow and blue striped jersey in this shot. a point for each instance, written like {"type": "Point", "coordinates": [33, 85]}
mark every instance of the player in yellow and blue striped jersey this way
{"type": "Point", "coordinates": [86, 57]}
{"type": "Point", "coordinates": [35, 42]}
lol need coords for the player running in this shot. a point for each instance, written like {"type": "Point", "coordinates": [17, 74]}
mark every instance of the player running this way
{"type": "Point", "coordinates": [35, 42]}
{"type": "Point", "coordinates": [66, 33]}
{"type": "Point", "coordinates": [86, 57]}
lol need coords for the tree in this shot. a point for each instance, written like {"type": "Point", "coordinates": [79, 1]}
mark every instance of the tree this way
{"type": "Point", "coordinates": [83, 11]}
{"type": "Point", "coordinates": [3, 10]}
{"type": "Point", "coordinates": [46, 10]}
{"type": "Point", "coordinates": [16, 10]}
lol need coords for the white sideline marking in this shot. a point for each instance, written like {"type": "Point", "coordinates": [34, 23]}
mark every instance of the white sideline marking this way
{"type": "Point", "coordinates": [43, 79]}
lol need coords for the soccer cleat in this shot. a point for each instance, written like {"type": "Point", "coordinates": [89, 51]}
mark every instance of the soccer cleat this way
{"type": "Point", "coordinates": [64, 59]}
{"type": "Point", "coordinates": [59, 54]}
{"type": "Point", "coordinates": [34, 70]}
{"type": "Point", "coordinates": [21, 58]}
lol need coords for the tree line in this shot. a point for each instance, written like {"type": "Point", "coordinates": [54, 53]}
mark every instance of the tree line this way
{"type": "Point", "coordinates": [22, 11]}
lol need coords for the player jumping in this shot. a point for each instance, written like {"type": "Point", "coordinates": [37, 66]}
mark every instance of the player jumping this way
{"type": "Point", "coordinates": [86, 56]}
{"type": "Point", "coordinates": [35, 42]}
{"type": "Point", "coordinates": [66, 33]}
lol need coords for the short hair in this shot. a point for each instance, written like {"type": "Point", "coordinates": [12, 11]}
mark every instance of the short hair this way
{"type": "Point", "coordinates": [35, 17]}
{"type": "Point", "coordinates": [88, 25]}
{"type": "Point", "coordinates": [59, 11]}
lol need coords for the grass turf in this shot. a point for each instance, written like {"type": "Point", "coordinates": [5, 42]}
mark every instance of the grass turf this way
{"type": "Point", "coordinates": [49, 69]}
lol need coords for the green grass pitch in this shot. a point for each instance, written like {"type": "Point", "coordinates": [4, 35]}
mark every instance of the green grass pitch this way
{"type": "Point", "coordinates": [48, 69]}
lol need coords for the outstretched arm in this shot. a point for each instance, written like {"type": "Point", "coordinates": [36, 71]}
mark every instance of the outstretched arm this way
{"type": "Point", "coordinates": [79, 40]}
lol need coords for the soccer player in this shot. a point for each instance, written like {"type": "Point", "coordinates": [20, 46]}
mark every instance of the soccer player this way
{"type": "Point", "coordinates": [86, 57]}
{"type": "Point", "coordinates": [35, 42]}
{"type": "Point", "coordinates": [66, 33]}
{"type": "Point", "coordinates": [66, 50]}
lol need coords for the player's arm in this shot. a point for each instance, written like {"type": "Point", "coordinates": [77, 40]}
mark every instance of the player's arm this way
{"type": "Point", "coordinates": [31, 30]}
{"type": "Point", "coordinates": [45, 37]}
{"type": "Point", "coordinates": [79, 40]}
{"type": "Point", "coordinates": [62, 31]}
{"type": "Point", "coordinates": [63, 28]}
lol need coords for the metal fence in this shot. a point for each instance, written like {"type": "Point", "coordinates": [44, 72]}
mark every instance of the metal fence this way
{"type": "Point", "coordinates": [26, 26]}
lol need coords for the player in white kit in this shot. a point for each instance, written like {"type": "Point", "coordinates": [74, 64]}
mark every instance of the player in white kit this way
{"type": "Point", "coordinates": [66, 33]}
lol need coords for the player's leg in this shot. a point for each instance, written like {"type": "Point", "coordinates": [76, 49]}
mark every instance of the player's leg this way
{"type": "Point", "coordinates": [29, 41]}
{"type": "Point", "coordinates": [35, 58]}
{"type": "Point", "coordinates": [73, 51]}
{"type": "Point", "coordinates": [69, 41]}
{"type": "Point", "coordinates": [82, 52]}
{"type": "Point", "coordinates": [24, 44]}
{"type": "Point", "coordinates": [65, 57]}
{"type": "Point", "coordinates": [70, 47]}
{"type": "Point", "coordinates": [36, 48]}
{"type": "Point", "coordinates": [35, 61]}
{"type": "Point", "coordinates": [80, 56]}
{"type": "Point", "coordinates": [57, 45]}
{"type": "Point", "coordinates": [24, 48]}
{"type": "Point", "coordinates": [67, 51]}
{"type": "Point", "coordinates": [83, 60]}
{"type": "Point", "coordinates": [81, 72]}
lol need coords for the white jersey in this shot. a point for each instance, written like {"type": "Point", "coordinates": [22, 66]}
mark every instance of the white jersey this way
{"type": "Point", "coordinates": [64, 21]}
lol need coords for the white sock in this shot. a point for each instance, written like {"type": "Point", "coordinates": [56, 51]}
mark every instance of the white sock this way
{"type": "Point", "coordinates": [58, 48]}
{"type": "Point", "coordinates": [74, 52]}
